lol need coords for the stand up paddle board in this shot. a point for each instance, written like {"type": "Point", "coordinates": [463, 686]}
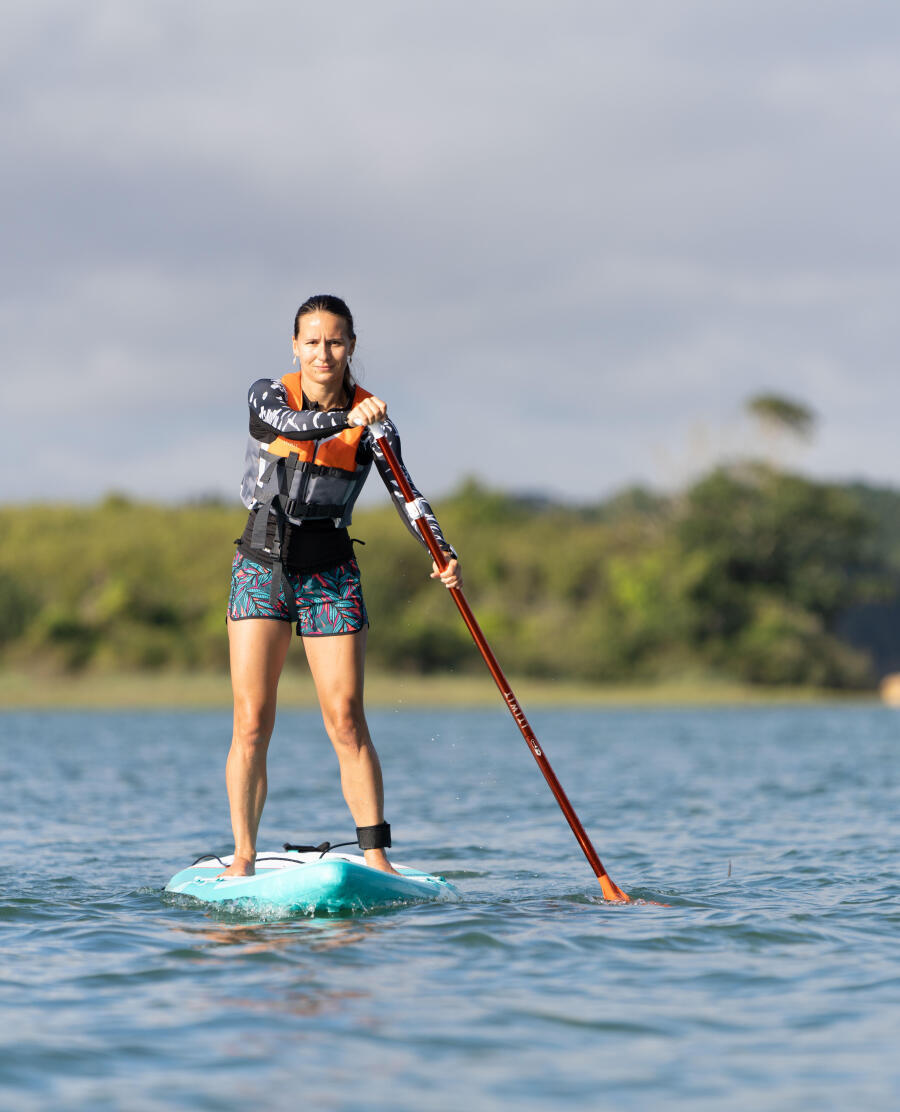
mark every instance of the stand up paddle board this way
{"type": "Point", "coordinates": [310, 883]}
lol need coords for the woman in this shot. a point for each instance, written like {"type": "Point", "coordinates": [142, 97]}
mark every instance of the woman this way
{"type": "Point", "coordinates": [308, 457]}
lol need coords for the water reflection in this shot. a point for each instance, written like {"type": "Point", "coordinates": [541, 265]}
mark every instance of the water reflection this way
{"type": "Point", "coordinates": [256, 938]}
{"type": "Point", "coordinates": [300, 990]}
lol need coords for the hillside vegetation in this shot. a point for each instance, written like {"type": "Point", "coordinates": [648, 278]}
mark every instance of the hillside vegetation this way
{"type": "Point", "coordinates": [743, 576]}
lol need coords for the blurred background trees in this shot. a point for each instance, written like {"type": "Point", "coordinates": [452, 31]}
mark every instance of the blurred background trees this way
{"type": "Point", "coordinates": [751, 573]}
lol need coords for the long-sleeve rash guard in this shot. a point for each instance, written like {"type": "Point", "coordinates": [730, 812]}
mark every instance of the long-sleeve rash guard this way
{"type": "Point", "coordinates": [271, 416]}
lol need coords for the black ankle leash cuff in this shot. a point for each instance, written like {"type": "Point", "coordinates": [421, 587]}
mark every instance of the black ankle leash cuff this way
{"type": "Point", "coordinates": [374, 837]}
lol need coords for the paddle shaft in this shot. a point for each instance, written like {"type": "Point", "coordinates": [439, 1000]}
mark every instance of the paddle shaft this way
{"type": "Point", "coordinates": [611, 891]}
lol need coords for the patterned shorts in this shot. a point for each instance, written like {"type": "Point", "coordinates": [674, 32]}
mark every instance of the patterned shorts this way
{"type": "Point", "coordinates": [329, 602]}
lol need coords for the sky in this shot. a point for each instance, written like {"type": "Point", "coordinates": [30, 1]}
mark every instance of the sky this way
{"type": "Point", "coordinates": [576, 237]}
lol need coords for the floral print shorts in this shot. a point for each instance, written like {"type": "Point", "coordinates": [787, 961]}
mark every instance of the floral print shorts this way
{"type": "Point", "coordinates": [329, 602]}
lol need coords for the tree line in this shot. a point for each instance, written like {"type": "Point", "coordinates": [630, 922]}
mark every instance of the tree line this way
{"type": "Point", "coordinates": [747, 574]}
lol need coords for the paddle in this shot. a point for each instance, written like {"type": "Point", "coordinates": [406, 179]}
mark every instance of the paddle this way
{"type": "Point", "coordinates": [611, 891]}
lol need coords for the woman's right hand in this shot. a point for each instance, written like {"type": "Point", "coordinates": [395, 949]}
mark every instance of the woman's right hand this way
{"type": "Point", "coordinates": [451, 576]}
{"type": "Point", "coordinates": [369, 410]}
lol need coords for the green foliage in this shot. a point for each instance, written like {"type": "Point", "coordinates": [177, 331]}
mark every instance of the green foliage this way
{"type": "Point", "coordinates": [782, 414]}
{"type": "Point", "coordinates": [742, 576]}
{"type": "Point", "coordinates": [772, 560]}
{"type": "Point", "coordinates": [882, 506]}
{"type": "Point", "coordinates": [120, 585]}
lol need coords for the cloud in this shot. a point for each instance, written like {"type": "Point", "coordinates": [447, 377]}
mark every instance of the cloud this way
{"type": "Point", "coordinates": [591, 225]}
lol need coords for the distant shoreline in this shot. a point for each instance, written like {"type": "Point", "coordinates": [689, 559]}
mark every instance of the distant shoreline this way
{"type": "Point", "coordinates": [212, 691]}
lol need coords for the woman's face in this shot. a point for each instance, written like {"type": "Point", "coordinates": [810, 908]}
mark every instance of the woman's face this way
{"type": "Point", "coordinates": [323, 348]}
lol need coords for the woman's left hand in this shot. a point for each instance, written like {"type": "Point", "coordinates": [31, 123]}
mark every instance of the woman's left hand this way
{"type": "Point", "coordinates": [451, 576]}
{"type": "Point", "coordinates": [369, 409]}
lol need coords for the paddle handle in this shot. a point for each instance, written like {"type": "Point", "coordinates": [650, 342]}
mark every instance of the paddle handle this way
{"type": "Point", "coordinates": [611, 891]}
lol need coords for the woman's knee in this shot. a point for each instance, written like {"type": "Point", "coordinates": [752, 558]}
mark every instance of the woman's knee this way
{"type": "Point", "coordinates": [253, 727]}
{"type": "Point", "coordinates": [345, 722]}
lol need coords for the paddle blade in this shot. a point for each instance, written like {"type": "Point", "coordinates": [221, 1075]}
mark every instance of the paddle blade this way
{"type": "Point", "coordinates": [611, 891]}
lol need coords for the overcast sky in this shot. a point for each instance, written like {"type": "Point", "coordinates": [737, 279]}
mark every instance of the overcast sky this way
{"type": "Point", "coordinates": [576, 236]}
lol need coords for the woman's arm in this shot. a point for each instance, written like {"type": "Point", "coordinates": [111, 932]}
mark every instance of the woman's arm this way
{"type": "Point", "coordinates": [271, 415]}
{"type": "Point", "coordinates": [387, 477]}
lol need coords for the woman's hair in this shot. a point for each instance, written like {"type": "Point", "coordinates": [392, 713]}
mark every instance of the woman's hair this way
{"type": "Point", "coordinates": [325, 303]}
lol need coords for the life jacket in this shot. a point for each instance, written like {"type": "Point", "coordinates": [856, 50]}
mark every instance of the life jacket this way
{"type": "Point", "coordinates": [303, 479]}
{"type": "Point", "coordinates": [299, 480]}
{"type": "Point", "coordinates": [332, 451]}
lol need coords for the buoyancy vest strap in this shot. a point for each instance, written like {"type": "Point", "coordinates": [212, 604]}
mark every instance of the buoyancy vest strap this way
{"type": "Point", "coordinates": [260, 524]}
{"type": "Point", "coordinates": [269, 483]}
{"type": "Point", "coordinates": [279, 580]}
{"type": "Point", "coordinates": [300, 510]}
{"type": "Point", "coordinates": [268, 494]}
{"type": "Point", "coordinates": [281, 490]}
{"type": "Point", "coordinates": [271, 495]}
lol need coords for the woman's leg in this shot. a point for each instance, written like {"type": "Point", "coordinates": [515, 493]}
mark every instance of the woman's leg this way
{"type": "Point", "coordinates": [337, 665]}
{"type": "Point", "coordinates": [258, 648]}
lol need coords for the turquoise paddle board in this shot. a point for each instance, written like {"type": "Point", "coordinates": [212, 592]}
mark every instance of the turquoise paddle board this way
{"type": "Point", "coordinates": [293, 883]}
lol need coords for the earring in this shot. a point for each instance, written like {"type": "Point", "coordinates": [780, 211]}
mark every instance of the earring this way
{"type": "Point", "coordinates": [295, 360]}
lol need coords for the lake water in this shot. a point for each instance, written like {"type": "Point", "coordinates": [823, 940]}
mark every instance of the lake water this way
{"type": "Point", "coordinates": [771, 980]}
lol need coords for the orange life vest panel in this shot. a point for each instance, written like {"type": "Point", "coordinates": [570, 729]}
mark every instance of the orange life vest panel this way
{"type": "Point", "coordinates": [338, 450]}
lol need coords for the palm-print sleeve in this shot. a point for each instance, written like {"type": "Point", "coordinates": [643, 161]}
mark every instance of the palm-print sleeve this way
{"type": "Point", "coordinates": [271, 415]}
{"type": "Point", "coordinates": [387, 476]}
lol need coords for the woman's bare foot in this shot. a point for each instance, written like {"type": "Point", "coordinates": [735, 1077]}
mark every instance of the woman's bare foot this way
{"type": "Point", "coordinates": [377, 858]}
{"type": "Point", "coordinates": [240, 866]}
